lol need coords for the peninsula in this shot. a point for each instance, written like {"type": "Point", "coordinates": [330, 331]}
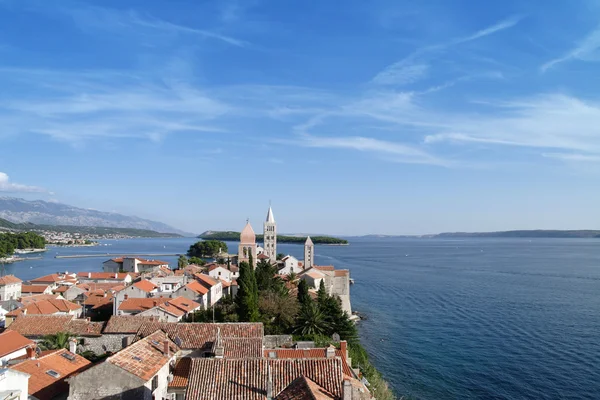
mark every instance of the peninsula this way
{"type": "Point", "coordinates": [231, 236]}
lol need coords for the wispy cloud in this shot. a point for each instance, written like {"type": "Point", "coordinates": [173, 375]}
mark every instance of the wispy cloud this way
{"type": "Point", "coordinates": [401, 73]}
{"type": "Point", "coordinates": [577, 157]}
{"type": "Point", "coordinates": [7, 186]}
{"type": "Point", "coordinates": [586, 50]}
{"type": "Point", "coordinates": [500, 26]}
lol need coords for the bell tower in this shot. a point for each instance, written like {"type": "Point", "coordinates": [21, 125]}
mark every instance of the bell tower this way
{"type": "Point", "coordinates": [270, 236]}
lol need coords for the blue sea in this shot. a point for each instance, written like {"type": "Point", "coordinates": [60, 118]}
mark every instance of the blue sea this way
{"type": "Point", "coordinates": [450, 319]}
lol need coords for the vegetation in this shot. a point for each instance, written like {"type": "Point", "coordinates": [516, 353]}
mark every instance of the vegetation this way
{"type": "Point", "coordinates": [27, 240]}
{"type": "Point", "coordinates": [247, 296]}
{"type": "Point", "coordinates": [182, 262]}
{"type": "Point", "coordinates": [197, 260]}
{"type": "Point", "coordinates": [207, 248]}
{"type": "Point", "coordinates": [230, 236]}
{"type": "Point", "coordinates": [55, 342]}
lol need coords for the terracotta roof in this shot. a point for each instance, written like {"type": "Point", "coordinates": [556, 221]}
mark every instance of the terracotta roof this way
{"type": "Point", "coordinates": [213, 266]}
{"type": "Point", "coordinates": [234, 283]}
{"type": "Point", "coordinates": [225, 283]}
{"type": "Point", "coordinates": [202, 335]}
{"type": "Point", "coordinates": [61, 289]}
{"type": "Point", "coordinates": [315, 274]}
{"type": "Point", "coordinates": [222, 378]}
{"type": "Point", "coordinates": [262, 256]}
{"type": "Point", "coordinates": [205, 279]}
{"type": "Point", "coordinates": [38, 297]}
{"type": "Point", "coordinates": [91, 286]}
{"type": "Point", "coordinates": [125, 323]}
{"type": "Point", "coordinates": [145, 285]}
{"type": "Point", "coordinates": [140, 305]}
{"type": "Point", "coordinates": [197, 287]}
{"type": "Point", "coordinates": [145, 357]}
{"type": "Point", "coordinates": [51, 278]}
{"type": "Point", "coordinates": [184, 304]}
{"type": "Point", "coordinates": [106, 275]}
{"type": "Point", "coordinates": [45, 386]}
{"type": "Point", "coordinates": [41, 325]}
{"type": "Point", "coordinates": [11, 341]}
{"type": "Point", "coordinates": [242, 347]}
{"type": "Point", "coordinates": [117, 260]}
{"type": "Point", "coordinates": [341, 272]}
{"type": "Point", "coordinates": [247, 236]}
{"type": "Point", "coordinates": [9, 279]}
{"type": "Point", "coordinates": [46, 307]}
{"type": "Point", "coordinates": [307, 353]}
{"type": "Point", "coordinates": [98, 300]}
{"type": "Point", "coordinates": [304, 388]}
{"type": "Point", "coordinates": [152, 262]}
{"type": "Point", "coordinates": [181, 373]}
{"type": "Point", "coordinates": [34, 288]}
{"type": "Point", "coordinates": [324, 267]}
{"type": "Point", "coordinates": [234, 269]}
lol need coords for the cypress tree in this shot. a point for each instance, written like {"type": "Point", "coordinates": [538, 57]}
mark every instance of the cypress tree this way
{"type": "Point", "coordinates": [321, 294]}
{"type": "Point", "coordinates": [303, 297]}
{"type": "Point", "coordinates": [247, 296]}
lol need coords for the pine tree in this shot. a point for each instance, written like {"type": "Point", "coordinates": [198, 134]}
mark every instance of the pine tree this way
{"type": "Point", "coordinates": [247, 296]}
{"type": "Point", "coordinates": [303, 297]}
{"type": "Point", "coordinates": [321, 294]}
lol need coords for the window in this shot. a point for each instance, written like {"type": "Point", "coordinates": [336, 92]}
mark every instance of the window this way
{"type": "Point", "coordinates": [179, 396]}
{"type": "Point", "coordinates": [154, 383]}
{"type": "Point", "coordinates": [53, 373]}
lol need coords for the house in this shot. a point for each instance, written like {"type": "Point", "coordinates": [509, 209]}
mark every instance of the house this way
{"type": "Point", "coordinates": [10, 287]}
{"type": "Point", "coordinates": [13, 345]}
{"type": "Point", "coordinates": [98, 304]}
{"type": "Point", "coordinates": [48, 373]}
{"type": "Point", "coordinates": [133, 264]}
{"type": "Point", "coordinates": [6, 307]}
{"type": "Point", "coordinates": [226, 287]}
{"type": "Point", "coordinates": [13, 384]}
{"type": "Point", "coordinates": [54, 280]}
{"type": "Point", "coordinates": [120, 330]}
{"type": "Point", "coordinates": [45, 307]}
{"type": "Point", "coordinates": [336, 281]}
{"type": "Point", "coordinates": [135, 305]}
{"type": "Point", "coordinates": [289, 264]}
{"type": "Point", "coordinates": [172, 310]}
{"type": "Point", "coordinates": [214, 286]}
{"type": "Point", "coordinates": [140, 371]}
{"type": "Point", "coordinates": [221, 271]}
{"type": "Point", "coordinates": [194, 290]}
{"type": "Point", "coordinates": [189, 270]}
{"type": "Point", "coordinates": [139, 290]}
{"type": "Point", "coordinates": [30, 290]}
{"type": "Point", "coordinates": [124, 278]}
{"type": "Point", "coordinates": [313, 278]}
{"type": "Point", "coordinates": [168, 284]}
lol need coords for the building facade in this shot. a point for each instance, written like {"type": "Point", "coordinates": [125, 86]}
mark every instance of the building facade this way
{"type": "Point", "coordinates": [10, 287]}
{"type": "Point", "coordinates": [309, 253]}
{"type": "Point", "coordinates": [247, 247]}
{"type": "Point", "coordinates": [270, 236]}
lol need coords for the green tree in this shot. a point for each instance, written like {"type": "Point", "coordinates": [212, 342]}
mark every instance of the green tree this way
{"type": "Point", "coordinates": [265, 276]}
{"type": "Point", "coordinates": [303, 297]}
{"type": "Point", "coordinates": [321, 294]}
{"type": "Point", "coordinates": [278, 312]}
{"type": "Point", "coordinates": [280, 256]}
{"type": "Point", "coordinates": [247, 295]}
{"type": "Point", "coordinates": [197, 261]}
{"type": "Point", "coordinates": [311, 321]}
{"type": "Point", "coordinates": [338, 320]}
{"type": "Point", "coordinates": [57, 341]}
{"type": "Point", "coordinates": [207, 248]}
{"type": "Point", "coordinates": [182, 262]}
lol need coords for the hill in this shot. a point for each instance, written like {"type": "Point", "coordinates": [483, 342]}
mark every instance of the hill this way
{"type": "Point", "coordinates": [540, 233]}
{"type": "Point", "coordinates": [40, 212]}
{"type": "Point", "coordinates": [232, 236]}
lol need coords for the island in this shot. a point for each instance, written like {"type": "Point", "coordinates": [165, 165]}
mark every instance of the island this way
{"type": "Point", "coordinates": [538, 233]}
{"type": "Point", "coordinates": [232, 236]}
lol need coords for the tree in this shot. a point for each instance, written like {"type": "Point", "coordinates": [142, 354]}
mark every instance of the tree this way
{"type": "Point", "coordinates": [196, 261]}
{"type": "Point", "coordinates": [247, 295]}
{"type": "Point", "coordinates": [311, 321]}
{"type": "Point", "coordinates": [303, 296]}
{"type": "Point", "coordinates": [265, 276]}
{"type": "Point", "coordinates": [57, 341]}
{"type": "Point", "coordinates": [207, 248]}
{"type": "Point", "coordinates": [322, 293]}
{"type": "Point", "coordinates": [182, 262]}
{"type": "Point", "coordinates": [338, 320]}
{"type": "Point", "coordinates": [278, 311]}
{"type": "Point", "coordinates": [280, 256]}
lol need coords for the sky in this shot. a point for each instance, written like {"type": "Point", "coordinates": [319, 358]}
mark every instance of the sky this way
{"type": "Point", "coordinates": [354, 117]}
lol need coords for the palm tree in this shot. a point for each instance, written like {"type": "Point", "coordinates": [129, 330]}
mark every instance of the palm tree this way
{"type": "Point", "coordinates": [57, 341]}
{"type": "Point", "coordinates": [311, 321]}
{"type": "Point", "coordinates": [292, 277]}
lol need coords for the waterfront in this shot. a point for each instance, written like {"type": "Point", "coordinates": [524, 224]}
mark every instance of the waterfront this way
{"type": "Point", "coordinates": [476, 318]}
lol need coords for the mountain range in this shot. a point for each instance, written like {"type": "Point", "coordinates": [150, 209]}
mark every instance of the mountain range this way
{"type": "Point", "coordinates": [41, 212]}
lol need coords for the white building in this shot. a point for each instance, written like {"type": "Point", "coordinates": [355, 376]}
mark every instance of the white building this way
{"type": "Point", "coordinates": [10, 287]}
{"type": "Point", "coordinates": [138, 290]}
{"type": "Point", "coordinates": [14, 385]}
{"type": "Point", "coordinates": [131, 264]}
{"type": "Point", "coordinates": [13, 345]}
{"type": "Point", "coordinates": [336, 281]}
{"type": "Point", "coordinates": [214, 286]}
{"type": "Point", "coordinates": [172, 310]}
{"type": "Point", "coordinates": [218, 271]}
{"type": "Point", "coordinates": [309, 253]}
{"type": "Point", "coordinates": [270, 236]}
{"type": "Point", "coordinates": [195, 291]}
{"type": "Point", "coordinates": [290, 264]}
{"type": "Point", "coordinates": [168, 284]}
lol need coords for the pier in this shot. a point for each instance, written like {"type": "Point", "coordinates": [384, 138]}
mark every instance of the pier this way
{"type": "Point", "coordinates": [121, 255]}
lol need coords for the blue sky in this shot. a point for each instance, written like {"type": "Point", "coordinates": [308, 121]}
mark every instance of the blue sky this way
{"type": "Point", "coordinates": [385, 116]}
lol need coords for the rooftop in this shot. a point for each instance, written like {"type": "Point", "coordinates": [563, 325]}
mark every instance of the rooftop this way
{"type": "Point", "coordinates": [304, 388]}
{"type": "Point", "coordinates": [125, 323]}
{"type": "Point", "coordinates": [41, 325]}
{"type": "Point", "coordinates": [11, 341]}
{"type": "Point", "coordinates": [145, 285]}
{"type": "Point", "coordinates": [34, 288]}
{"type": "Point", "coordinates": [48, 373]}
{"type": "Point", "coordinates": [106, 275]}
{"type": "Point", "coordinates": [9, 279]}
{"type": "Point", "coordinates": [46, 307]}
{"type": "Point", "coordinates": [53, 278]}
{"type": "Point", "coordinates": [197, 287]}
{"type": "Point", "coordinates": [205, 279]}
{"type": "Point", "coordinates": [307, 353]}
{"type": "Point", "coordinates": [140, 305]}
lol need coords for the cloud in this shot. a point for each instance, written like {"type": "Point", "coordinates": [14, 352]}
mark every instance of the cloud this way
{"type": "Point", "coordinates": [583, 51]}
{"type": "Point", "coordinates": [500, 26]}
{"type": "Point", "coordinates": [7, 186]}
{"type": "Point", "coordinates": [573, 157]}
{"type": "Point", "coordinates": [401, 73]}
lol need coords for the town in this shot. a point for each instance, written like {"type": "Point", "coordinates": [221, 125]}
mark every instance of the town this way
{"type": "Point", "coordinates": [72, 335]}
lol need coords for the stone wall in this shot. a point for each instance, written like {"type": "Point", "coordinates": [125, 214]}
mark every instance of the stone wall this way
{"type": "Point", "coordinates": [106, 343]}
{"type": "Point", "coordinates": [106, 381]}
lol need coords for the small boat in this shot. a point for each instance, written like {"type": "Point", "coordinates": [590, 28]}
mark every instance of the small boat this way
{"type": "Point", "coordinates": [351, 281]}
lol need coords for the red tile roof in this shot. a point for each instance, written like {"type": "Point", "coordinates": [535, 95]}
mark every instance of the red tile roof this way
{"type": "Point", "coordinates": [91, 286]}
{"type": "Point", "coordinates": [139, 305]}
{"type": "Point", "coordinates": [206, 280]}
{"type": "Point", "coordinates": [42, 325]}
{"type": "Point", "coordinates": [324, 267]}
{"type": "Point", "coordinates": [106, 275]}
{"type": "Point", "coordinates": [145, 357]}
{"type": "Point", "coordinates": [152, 262]}
{"type": "Point", "coordinates": [341, 272]}
{"type": "Point", "coordinates": [38, 297]}
{"type": "Point", "coordinates": [11, 341]}
{"type": "Point", "coordinates": [197, 287]}
{"type": "Point", "coordinates": [125, 323]}
{"type": "Point", "coordinates": [248, 378]}
{"type": "Point", "coordinates": [304, 388]}
{"type": "Point", "coordinates": [145, 285]}
{"type": "Point", "coordinates": [262, 256]}
{"type": "Point", "coordinates": [307, 353]}
{"type": "Point", "coordinates": [46, 307]}
{"type": "Point", "coordinates": [61, 289]}
{"type": "Point", "coordinates": [9, 279]}
{"type": "Point", "coordinates": [45, 386]}
{"type": "Point", "coordinates": [50, 278]}
{"type": "Point", "coordinates": [33, 288]}
{"type": "Point", "coordinates": [181, 373]}
{"type": "Point", "coordinates": [225, 283]}
{"type": "Point", "coordinates": [184, 304]}
{"type": "Point", "coordinates": [98, 300]}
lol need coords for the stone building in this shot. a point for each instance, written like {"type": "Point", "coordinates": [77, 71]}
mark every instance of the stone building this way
{"type": "Point", "coordinates": [10, 287]}
{"type": "Point", "coordinates": [309, 253]}
{"type": "Point", "coordinates": [270, 236]}
{"type": "Point", "coordinates": [247, 245]}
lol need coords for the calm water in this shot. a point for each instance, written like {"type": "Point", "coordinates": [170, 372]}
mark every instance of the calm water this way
{"type": "Point", "coordinates": [475, 319]}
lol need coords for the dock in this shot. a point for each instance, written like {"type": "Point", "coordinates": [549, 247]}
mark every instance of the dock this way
{"type": "Point", "coordinates": [122, 255]}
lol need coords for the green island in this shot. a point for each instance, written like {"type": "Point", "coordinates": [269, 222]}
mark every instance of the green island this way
{"type": "Point", "coordinates": [230, 236]}
{"type": "Point", "coordinates": [84, 230]}
{"type": "Point", "coordinates": [9, 242]}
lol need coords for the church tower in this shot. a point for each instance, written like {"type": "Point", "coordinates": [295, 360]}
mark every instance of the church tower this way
{"type": "Point", "coordinates": [247, 245]}
{"type": "Point", "coordinates": [270, 236]}
{"type": "Point", "coordinates": [309, 253]}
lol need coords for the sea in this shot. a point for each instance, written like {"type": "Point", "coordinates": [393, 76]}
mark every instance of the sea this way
{"type": "Point", "coordinates": [447, 318]}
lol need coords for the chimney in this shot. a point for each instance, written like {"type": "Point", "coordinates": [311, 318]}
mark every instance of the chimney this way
{"type": "Point", "coordinates": [166, 350]}
{"type": "Point", "coordinates": [330, 352]}
{"type": "Point", "coordinates": [89, 275]}
{"type": "Point", "coordinates": [344, 348]}
{"type": "Point", "coordinates": [270, 384]}
{"type": "Point", "coordinates": [31, 352]}
{"type": "Point", "coordinates": [126, 297]}
{"type": "Point", "coordinates": [73, 346]}
{"type": "Point", "coordinates": [347, 390]}
{"type": "Point", "coordinates": [218, 348]}
{"type": "Point", "coordinates": [154, 303]}
{"type": "Point", "coordinates": [116, 275]}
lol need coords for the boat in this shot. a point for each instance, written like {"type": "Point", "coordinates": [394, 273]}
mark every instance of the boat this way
{"type": "Point", "coordinates": [351, 281]}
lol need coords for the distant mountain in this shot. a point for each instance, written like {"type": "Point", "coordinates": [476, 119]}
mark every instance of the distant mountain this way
{"type": "Point", "coordinates": [232, 236]}
{"type": "Point", "coordinates": [40, 212]}
{"type": "Point", "coordinates": [540, 233]}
